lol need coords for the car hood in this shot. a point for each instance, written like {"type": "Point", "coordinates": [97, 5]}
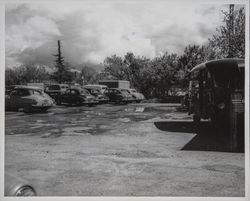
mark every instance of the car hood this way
{"type": "Point", "coordinates": [138, 95]}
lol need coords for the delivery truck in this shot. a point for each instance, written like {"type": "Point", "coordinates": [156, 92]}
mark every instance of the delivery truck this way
{"type": "Point", "coordinates": [121, 84]}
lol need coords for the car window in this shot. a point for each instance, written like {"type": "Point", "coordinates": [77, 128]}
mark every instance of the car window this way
{"type": "Point", "coordinates": [35, 92]}
{"type": "Point", "coordinates": [20, 92]}
{"type": "Point", "coordinates": [67, 91]}
{"type": "Point", "coordinates": [117, 91]}
{"type": "Point", "coordinates": [85, 91]}
{"type": "Point", "coordinates": [107, 91]}
{"type": "Point", "coordinates": [74, 92]}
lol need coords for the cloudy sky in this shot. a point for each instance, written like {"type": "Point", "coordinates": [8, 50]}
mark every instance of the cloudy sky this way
{"type": "Point", "coordinates": [89, 32]}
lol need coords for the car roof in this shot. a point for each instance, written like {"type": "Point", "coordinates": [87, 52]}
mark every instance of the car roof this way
{"type": "Point", "coordinates": [58, 84]}
{"type": "Point", "coordinates": [95, 85]}
{"type": "Point", "coordinates": [115, 89]}
{"type": "Point", "coordinates": [28, 87]}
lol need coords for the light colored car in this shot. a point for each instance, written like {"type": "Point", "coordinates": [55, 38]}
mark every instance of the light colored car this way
{"type": "Point", "coordinates": [138, 96]}
{"type": "Point", "coordinates": [15, 186]}
{"type": "Point", "coordinates": [28, 99]}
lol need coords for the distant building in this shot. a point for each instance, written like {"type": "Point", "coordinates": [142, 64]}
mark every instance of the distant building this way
{"type": "Point", "coordinates": [122, 84]}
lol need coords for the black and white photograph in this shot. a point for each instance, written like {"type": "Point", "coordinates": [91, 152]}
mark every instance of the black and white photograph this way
{"type": "Point", "coordinates": [125, 99]}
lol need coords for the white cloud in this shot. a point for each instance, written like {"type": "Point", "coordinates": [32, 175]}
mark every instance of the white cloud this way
{"type": "Point", "coordinates": [92, 31]}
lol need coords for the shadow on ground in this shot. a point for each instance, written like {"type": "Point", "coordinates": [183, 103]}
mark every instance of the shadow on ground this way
{"type": "Point", "coordinates": [208, 138]}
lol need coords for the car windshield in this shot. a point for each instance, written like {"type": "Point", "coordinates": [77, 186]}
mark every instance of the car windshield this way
{"type": "Point", "coordinates": [124, 91]}
{"type": "Point", "coordinates": [85, 92]}
{"type": "Point", "coordinates": [35, 92]}
{"type": "Point", "coordinates": [95, 91]}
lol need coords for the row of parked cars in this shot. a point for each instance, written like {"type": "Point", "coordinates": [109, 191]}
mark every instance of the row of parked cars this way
{"type": "Point", "coordinates": [31, 98]}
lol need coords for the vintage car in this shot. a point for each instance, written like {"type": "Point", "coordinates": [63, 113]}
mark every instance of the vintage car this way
{"type": "Point", "coordinates": [138, 97]}
{"type": "Point", "coordinates": [118, 95]}
{"type": "Point", "coordinates": [28, 99]}
{"type": "Point", "coordinates": [101, 98]}
{"type": "Point", "coordinates": [77, 96]}
{"type": "Point", "coordinates": [9, 89]}
{"type": "Point", "coordinates": [54, 90]}
{"type": "Point", "coordinates": [99, 87]}
{"type": "Point", "coordinates": [15, 186]}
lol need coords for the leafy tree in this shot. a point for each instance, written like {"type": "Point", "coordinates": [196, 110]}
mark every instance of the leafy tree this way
{"type": "Point", "coordinates": [115, 68]}
{"type": "Point", "coordinates": [26, 73]}
{"type": "Point", "coordinates": [88, 75]}
{"type": "Point", "coordinates": [230, 39]}
{"type": "Point", "coordinates": [192, 56]}
{"type": "Point", "coordinates": [164, 74]}
{"type": "Point", "coordinates": [11, 77]}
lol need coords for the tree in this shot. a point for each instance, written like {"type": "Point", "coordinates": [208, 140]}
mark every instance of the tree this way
{"type": "Point", "coordinates": [230, 39]}
{"type": "Point", "coordinates": [26, 73]}
{"type": "Point", "coordinates": [11, 77]}
{"type": "Point", "coordinates": [61, 74]}
{"type": "Point", "coordinates": [192, 56]}
{"type": "Point", "coordinates": [88, 75]}
{"type": "Point", "coordinates": [164, 74]}
{"type": "Point", "coordinates": [115, 68]}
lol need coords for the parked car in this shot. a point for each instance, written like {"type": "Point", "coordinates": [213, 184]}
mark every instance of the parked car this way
{"type": "Point", "coordinates": [100, 87]}
{"type": "Point", "coordinates": [138, 97]}
{"type": "Point", "coordinates": [77, 96]}
{"type": "Point", "coordinates": [9, 89]}
{"type": "Point", "coordinates": [28, 99]}
{"type": "Point", "coordinates": [101, 98]}
{"type": "Point", "coordinates": [54, 90]}
{"type": "Point", "coordinates": [118, 95]}
{"type": "Point", "coordinates": [15, 186]}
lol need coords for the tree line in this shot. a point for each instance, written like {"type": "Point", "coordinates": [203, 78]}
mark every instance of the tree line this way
{"type": "Point", "coordinates": [157, 77]}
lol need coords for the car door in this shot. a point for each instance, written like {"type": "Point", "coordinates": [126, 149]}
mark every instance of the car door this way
{"type": "Point", "coordinates": [64, 98]}
{"type": "Point", "coordinates": [74, 96]}
{"type": "Point", "coordinates": [112, 94]}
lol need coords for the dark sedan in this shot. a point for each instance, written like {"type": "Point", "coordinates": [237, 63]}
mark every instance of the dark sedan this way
{"type": "Point", "coordinates": [118, 95]}
{"type": "Point", "coordinates": [77, 96]}
{"type": "Point", "coordinates": [101, 98]}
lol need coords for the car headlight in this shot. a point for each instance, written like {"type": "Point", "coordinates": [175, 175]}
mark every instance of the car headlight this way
{"type": "Point", "coordinates": [25, 191]}
{"type": "Point", "coordinates": [221, 106]}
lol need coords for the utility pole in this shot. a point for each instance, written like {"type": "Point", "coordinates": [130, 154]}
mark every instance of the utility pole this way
{"type": "Point", "coordinates": [231, 30]}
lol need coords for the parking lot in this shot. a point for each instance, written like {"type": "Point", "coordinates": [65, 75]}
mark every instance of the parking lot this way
{"type": "Point", "coordinates": [146, 149]}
